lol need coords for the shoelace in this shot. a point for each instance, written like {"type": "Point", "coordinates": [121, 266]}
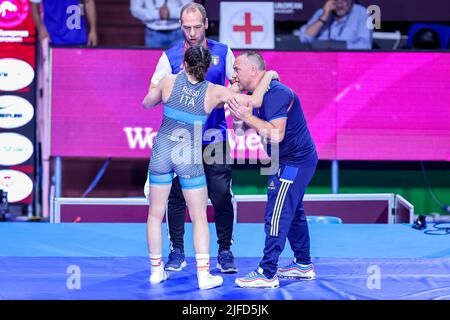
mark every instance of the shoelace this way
{"type": "Point", "coordinates": [227, 257]}
{"type": "Point", "coordinates": [293, 264]}
{"type": "Point", "coordinates": [176, 256]}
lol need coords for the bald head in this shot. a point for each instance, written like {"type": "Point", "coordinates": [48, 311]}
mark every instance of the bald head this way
{"type": "Point", "coordinates": [256, 59]}
{"type": "Point", "coordinates": [249, 68]}
{"type": "Point", "coordinates": [193, 7]}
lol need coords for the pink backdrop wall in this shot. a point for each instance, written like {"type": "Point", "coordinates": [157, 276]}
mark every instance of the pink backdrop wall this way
{"type": "Point", "coordinates": [359, 105]}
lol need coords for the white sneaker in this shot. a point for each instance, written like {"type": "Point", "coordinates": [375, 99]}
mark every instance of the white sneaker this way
{"type": "Point", "coordinates": [158, 275]}
{"type": "Point", "coordinates": [297, 271]}
{"type": "Point", "coordinates": [207, 281]}
{"type": "Point", "coordinates": [257, 279]}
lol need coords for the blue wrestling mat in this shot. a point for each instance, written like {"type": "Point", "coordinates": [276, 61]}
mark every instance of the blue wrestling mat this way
{"type": "Point", "coordinates": [38, 261]}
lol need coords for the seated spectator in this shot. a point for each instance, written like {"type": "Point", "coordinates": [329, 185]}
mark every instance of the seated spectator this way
{"type": "Point", "coordinates": [65, 21]}
{"type": "Point", "coordinates": [339, 20]}
{"type": "Point", "coordinates": [161, 18]}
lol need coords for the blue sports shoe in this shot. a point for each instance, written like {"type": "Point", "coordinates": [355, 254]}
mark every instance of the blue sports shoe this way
{"type": "Point", "coordinates": [256, 279]}
{"type": "Point", "coordinates": [297, 271]}
{"type": "Point", "coordinates": [176, 261]}
{"type": "Point", "coordinates": [225, 262]}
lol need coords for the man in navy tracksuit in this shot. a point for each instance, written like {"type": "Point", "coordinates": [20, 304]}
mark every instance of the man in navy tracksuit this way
{"type": "Point", "coordinates": [281, 121]}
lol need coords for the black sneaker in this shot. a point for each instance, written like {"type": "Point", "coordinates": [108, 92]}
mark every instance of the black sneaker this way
{"type": "Point", "coordinates": [176, 261]}
{"type": "Point", "coordinates": [225, 262]}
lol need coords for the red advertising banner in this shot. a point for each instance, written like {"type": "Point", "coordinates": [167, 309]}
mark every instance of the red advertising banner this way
{"type": "Point", "coordinates": [17, 100]}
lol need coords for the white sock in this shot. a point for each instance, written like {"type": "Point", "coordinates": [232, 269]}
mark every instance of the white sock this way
{"type": "Point", "coordinates": [202, 263]}
{"type": "Point", "coordinates": [155, 261]}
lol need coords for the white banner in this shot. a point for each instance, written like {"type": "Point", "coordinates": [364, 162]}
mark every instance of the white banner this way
{"type": "Point", "coordinates": [247, 25]}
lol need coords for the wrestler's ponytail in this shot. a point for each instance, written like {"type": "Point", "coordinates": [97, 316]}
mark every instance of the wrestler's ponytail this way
{"type": "Point", "coordinates": [197, 59]}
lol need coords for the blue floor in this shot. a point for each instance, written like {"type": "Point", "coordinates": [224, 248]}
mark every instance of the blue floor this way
{"type": "Point", "coordinates": [352, 262]}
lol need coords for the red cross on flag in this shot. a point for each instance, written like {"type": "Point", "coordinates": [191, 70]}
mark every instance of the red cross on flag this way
{"type": "Point", "coordinates": [247, 25]}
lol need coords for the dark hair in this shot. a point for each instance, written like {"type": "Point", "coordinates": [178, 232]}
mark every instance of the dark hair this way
{"type": "Point", "coordinates": [198, 60]}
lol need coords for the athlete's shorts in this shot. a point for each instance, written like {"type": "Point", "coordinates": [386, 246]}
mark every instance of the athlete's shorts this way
{"type": "Point", "coordinates": [176, 155]}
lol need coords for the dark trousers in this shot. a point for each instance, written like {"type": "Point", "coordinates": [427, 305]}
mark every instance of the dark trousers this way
{"type": "Point", "coordinates": [218, 179]}
{"type": "Point", "coordinates": [285, 217]}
